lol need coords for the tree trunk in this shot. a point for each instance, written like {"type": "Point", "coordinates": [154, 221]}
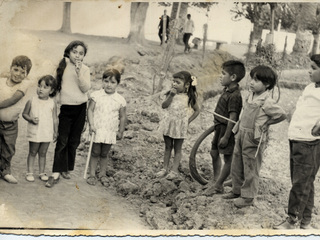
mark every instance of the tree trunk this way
{"type": "Point", "coordinates": [138, 13]}
{"type": "Point", "coordinates": [315, 46]}
{"type": "Point", "coordinates": [66, 22]}
{"type": "Point", "coordinates": [183, 17]}
{"type": "Point", "coordinates": [255, 37]}
{"type": "Point", "coordinates": [174, 10]}
{"type": "Point", "coordinates": [302, 43]}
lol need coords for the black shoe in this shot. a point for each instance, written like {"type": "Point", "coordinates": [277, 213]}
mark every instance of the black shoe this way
{"type": "Point", "coordinates": [51, 182]}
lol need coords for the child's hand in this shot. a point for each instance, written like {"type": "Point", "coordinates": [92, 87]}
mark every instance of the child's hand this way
{"type": "Point", "coordinates": [55, 137]}
{"type": "Point", "coordinates": [173, 92]}
{"type": "Point", "coordinates": [34, 120]}
{"type": "Point", "coordinates": [119, 135]}
{"type": "Point", "coordinates": [264, 128]}
{"type": "Point", "coordinates": [223, 142]}
{"type": "Point", "coordinates": [92, 129]}
{"type": "Point", "coordinates": [78, 66]}
{"type": "Point", "coordinates": [316, 129]}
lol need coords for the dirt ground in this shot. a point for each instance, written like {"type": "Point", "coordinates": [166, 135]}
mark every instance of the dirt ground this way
{"type": "Point", "coordinates": [135, 200]}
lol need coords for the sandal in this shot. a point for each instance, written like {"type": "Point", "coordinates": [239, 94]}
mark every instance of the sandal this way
{"type": "Point", "coordinates": [92, 180]}
{"type": "Point", "coordinates": [43, 177]}
{"type": "Point", "coordinates": [30, 177]}
{"type": "Point", "coordinates": [104, 181]}
{"type": "Point", "coordinates": [161, 173]}
{"type": "Point", "coordinates": [172, 175]}
{"type": "Point", "coordinates": [51, 181]}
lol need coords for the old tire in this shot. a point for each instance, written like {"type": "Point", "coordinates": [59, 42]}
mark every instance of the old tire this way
{"type": "Point", "coordinates": [192, 160]}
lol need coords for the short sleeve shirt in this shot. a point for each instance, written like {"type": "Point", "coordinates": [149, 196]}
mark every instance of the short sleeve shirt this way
{"type": "Point", "coordinates": [12, 113]}
{"type": "Point", "coordinates": [229, 101]}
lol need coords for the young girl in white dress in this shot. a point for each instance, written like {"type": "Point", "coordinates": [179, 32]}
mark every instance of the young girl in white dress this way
{"type": "Point", "coordinates": [106, 116]}
{"type": "Point", "coordinates": [41, 114]}
{"type": "Point", "coordinates": [179, 103]}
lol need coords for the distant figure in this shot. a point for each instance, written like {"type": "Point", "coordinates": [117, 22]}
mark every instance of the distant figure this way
{"type": "Point", "coordinates": [164, 19]}
{"type": "Point", "coordinates": [188, 30]}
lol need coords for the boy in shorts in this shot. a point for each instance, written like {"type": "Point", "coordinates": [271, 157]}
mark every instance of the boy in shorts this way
{"type": "Point", "coordinates": [229, 106]}
{"type": "Point", "coordinates": [13, 89]}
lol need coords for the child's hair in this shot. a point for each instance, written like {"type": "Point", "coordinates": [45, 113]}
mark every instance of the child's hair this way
{"type": "Point", "coordinates": [23, 62]}
{"type": "Point", "coordinates": [50, 81]}
{"type": "Point", "coordinates": [63, 64]}
{"type": "Point", "coordinates": [316, 58]}
{"type": "Point", "coordinates": [234, 67]}
{"type": "Point", "coordinates": [192, 91]}
{"type": "Point", "coordinates": [112, 73]}
{"type": "Point", "coordinates": [266, 75]}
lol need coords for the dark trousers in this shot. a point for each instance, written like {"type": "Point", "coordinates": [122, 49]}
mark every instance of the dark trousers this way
{"type": "Point", "coordinates": [186, 38]}
{"type": "Point", "coordinates": [304, 165]}
{"type": "Point", "coordinates": [71, 123]}
{"type": "Point", "coordinates": [160, 35]}
{"type": "Point", "coordinates": [8, 137]}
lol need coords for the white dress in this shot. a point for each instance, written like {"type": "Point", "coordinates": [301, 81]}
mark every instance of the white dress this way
{"type": "Point", "coordinates": [43, 131]}
{"type": "Point", "coordinates": [106, 115]}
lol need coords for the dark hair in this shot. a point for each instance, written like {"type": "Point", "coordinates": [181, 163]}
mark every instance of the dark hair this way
{"type": "Point", "coordinates": [192, 91]}
{"type": "Point", "coordinates": [23, 62]}
{"type": "Point", "coordinates": [188, 15]}
{"type": "Point", "coordinates": [265, 74]}
{"type": "Point", "coordinates": [66, 54]}
{"type": "Point", "coordinates": [316, 58]}
{"type": "Point", "coordinates": [50, 81]}
{"type": "Point", "coordinates": [112, 73]}
{"type": "Point", "coordinates": [235, 67]}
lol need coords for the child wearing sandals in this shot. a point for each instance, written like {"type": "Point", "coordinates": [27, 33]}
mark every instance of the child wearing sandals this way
{"type": "Point", "coordinates": [107, 117]}
{"type": "Point", "coordinates": [41, 114]}
{"type": "Point", "coordinates": [179, 101]}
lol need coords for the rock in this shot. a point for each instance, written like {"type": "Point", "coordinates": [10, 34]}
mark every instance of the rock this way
{"type": "Point", "coordinates": [122, 175]}
{"type": "Point", "coordinates": [184, 187]}
{"type": "Point", "coordinates": [158, 218]}
{"type": "Point", "coordinates": [127, 188]}
{"type": "Point", "coordinates": [154, 117]}
{"type": "Point", "coordinates": [201, 200]}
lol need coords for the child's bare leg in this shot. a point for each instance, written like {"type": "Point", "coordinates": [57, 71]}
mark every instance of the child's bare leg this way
{"type": "Point", "coordinates": [33, 151]}
{"type": "Point", "coordinates": [104, 159]}
{"type": "Point", "coordinates": [95, 155]}
{"type": "Point", "coordinates": [225, 171]}
{"type": "Point", "coordinates": [216, 163]}
{"type": "Point", "coordinates": [168, 141]}
{"type": "Point", "coordinates": [42, 155]}
{"type": "Point", "coordinates": [177, 154]}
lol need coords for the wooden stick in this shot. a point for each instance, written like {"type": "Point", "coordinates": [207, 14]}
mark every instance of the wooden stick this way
{"type": "Point", "coordinates": [88, 157]}
{"type": "Point", "coordinates": [214, 113]}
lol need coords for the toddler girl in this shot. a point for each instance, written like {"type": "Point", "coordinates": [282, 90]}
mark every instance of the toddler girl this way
{"type": "Point", "coordinates": [106, 116]}
{"type": "Point", "coordinates": [41, 114]}
{"type": "Point", "coordinates": [179, 99]}
{"type": "Point", "coordinates": [259, 111]}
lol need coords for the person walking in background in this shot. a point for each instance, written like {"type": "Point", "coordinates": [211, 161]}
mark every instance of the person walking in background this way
{"type": "Point", "coordinates": [304, 143]}
{"type": "Point", "coordinates": [12, 90]}
{"type": "Point", "coordinates": [73, 84]}
{"type": "Point", "coordinates": [107, 117]}
{"type": "Point", "coordinates": [179, 102]}
{"type": "Point", "coordinates": [41, 114]}
{"type": "Point", "coordinates": [164, 21]}
{"type": "Point", "coordinates": [229, 105]}
{"type": "Point", "coordinates": [258, 113]}
{"type": "Point", "coordinates": [187, 32]}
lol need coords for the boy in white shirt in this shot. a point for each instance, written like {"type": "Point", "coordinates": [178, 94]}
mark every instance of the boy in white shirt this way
{"type": "Point", "coordinates": [304, 139]}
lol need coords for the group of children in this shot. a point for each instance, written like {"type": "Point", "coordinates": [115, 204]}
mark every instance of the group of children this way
{"type": "Point", "coordinates": [241, 134]}
{"type": "Point", "coordinates": [241, 127]}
